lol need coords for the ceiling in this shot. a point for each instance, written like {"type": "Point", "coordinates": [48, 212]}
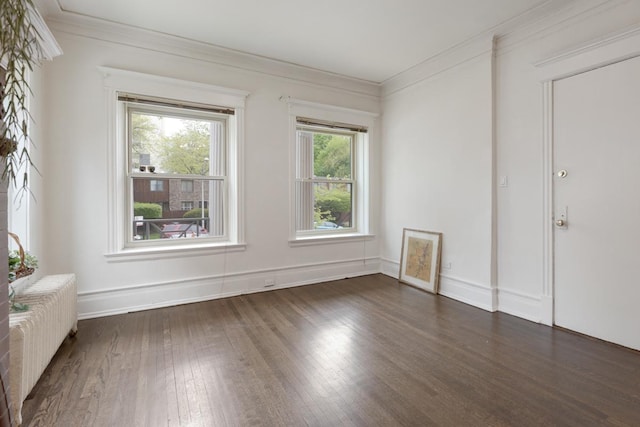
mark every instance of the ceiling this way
{"type": "Point", "coordinates": [371, 40]}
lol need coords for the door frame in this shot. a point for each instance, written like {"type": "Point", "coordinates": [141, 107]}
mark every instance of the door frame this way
{"type": "Point", "coordinates": [599, 53]}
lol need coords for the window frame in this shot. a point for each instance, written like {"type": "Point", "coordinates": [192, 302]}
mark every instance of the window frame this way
{"type": "Point", "coordinates": [188, 203]}
{"type": "Point", "coordinates": [361, 160]}
{"type": "Point", "coordinates": [159, 185]}
{"type": "Point", "coordinates": [186, 181]}
{"type": "Point", "coordinates": [19, 199]}
{"type": "Point", "coordinates": [118, 81]}
{"type": "Point", "coordinates": [354, 136]}
{"type": "Point", "coordinates": [173, 109]}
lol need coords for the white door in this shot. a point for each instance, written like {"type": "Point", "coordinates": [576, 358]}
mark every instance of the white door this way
{"type": "Point", "coordinates": [596, 120]}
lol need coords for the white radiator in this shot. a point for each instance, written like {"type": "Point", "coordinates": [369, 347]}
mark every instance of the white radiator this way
{"type": "Point", "coordinates": [37, 333]}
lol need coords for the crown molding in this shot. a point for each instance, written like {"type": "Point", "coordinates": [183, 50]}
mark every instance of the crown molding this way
{"type": "Point", "coordinates": [594, 54]}
{"type": "Point", "coordinates": [82, 26]}
{"type": "Point", "coordinates": [478, 46]}
{"type": "Point", "coordinates": [438, 64]}
{"type": "Point", "coordinates": [562, 18]}
{"type": "Point", "coordinates": [49, 47]}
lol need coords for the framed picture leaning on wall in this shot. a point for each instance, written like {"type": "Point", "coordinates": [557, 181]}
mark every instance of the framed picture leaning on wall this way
{"type": "Point", "coordinates": [420, 259]}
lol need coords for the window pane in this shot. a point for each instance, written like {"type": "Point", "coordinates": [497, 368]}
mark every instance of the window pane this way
{"type": "Point", "coordinates": [327, 157]}
{"type": "Point", "coordinates": [332, 206]}
{"type": "Point", "coordinates": [187, 185]}
{"type": "Point", "coordinates": [156, 185]}
{"type": "Point", "coordinates": [175, 145]}
{"type": "Point", "coordinates": [173, 213]}
{"type": "Point", "coordinates": [332, 155]}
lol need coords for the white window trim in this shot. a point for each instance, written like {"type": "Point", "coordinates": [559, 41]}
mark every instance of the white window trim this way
{"type": "Point", "coordinates": [115, 81]}
{"type": "Point", "coordinates": [362, 162]}
{"type": "Point", "coordinates": [19, 204]}
{"type": "Point", "coordinates": [126, 109]}
{"type": "Point", "coordinates": [18, 198]}
{"type": "Point", "coordinates": [357, 142]}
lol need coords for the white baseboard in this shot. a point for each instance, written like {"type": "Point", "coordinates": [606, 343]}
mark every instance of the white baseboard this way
{"type": "Point", "coordinates": [112, 301]}
{"type": "Point", "coordinates": [389, 268]}
{"type": "Point", "coordinates": [475, 294]}
{"type": "Point", "coordinates": [520, 304]}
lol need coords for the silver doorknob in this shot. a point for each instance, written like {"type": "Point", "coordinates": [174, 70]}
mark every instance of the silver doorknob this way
{"type": "Point", "coordinates": [560, 223]}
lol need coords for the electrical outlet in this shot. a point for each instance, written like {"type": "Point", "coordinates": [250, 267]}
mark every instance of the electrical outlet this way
{"type": "Point", "coordinates": [269, 282]}
{"type": "Point", "coordinates": [446, 266]}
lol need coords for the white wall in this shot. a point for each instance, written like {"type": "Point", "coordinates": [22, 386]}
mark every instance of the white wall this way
{"type": "Point", "coordinates": [519, 131]}
{"type": "Point", "coordinates": [437, 169]}
{"type": "Point", "coordinates": [445, 152]}
{"type": "Point", "coordinates": [73, 198]}
{"type": "Point", "coordinates": [451, 128]}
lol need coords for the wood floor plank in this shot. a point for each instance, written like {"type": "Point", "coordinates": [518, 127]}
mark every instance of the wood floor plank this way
{"type": "Point", "coordinates": [366, 351]}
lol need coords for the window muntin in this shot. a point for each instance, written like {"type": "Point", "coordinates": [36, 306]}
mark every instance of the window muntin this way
{"type": "Point", "coordinates": [156, 185]}
{"type": "Point", "coordinates": [180, 156]}
{"type": "Point", "coordinates": [325, 184]}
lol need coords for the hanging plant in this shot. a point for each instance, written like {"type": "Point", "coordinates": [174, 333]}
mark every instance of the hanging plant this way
{"type": "Point", "coordinates": [20, 50]}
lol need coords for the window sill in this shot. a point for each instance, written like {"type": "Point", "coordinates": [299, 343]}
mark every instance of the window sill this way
{"type": "Point", "coordinates": [141, 254]}
{"type": "Point", "coordinates": [330, 239]}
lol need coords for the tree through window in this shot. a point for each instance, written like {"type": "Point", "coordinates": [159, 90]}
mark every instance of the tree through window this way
{"type": "Point", "coordinates": [177, 160]}
{"type": "Point", "coordinates": [325, 179]}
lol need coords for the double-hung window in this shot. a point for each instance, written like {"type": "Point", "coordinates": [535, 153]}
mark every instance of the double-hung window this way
{"type": "Point", "coordinates": [325, 178]}
{"type": "Point", "coordinates": [178, 152]}
{"type": "Point", "coordinates": [330, 172]}
{"type": "Point", "coordinates": [174, 147]}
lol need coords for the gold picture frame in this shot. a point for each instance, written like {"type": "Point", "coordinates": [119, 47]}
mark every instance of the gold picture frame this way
{"type": "Point", "coordinates": [420, 259]}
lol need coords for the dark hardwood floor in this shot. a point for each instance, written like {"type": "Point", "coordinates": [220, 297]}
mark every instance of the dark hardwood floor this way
{"type": "Point", "coordinates": [365, 351]}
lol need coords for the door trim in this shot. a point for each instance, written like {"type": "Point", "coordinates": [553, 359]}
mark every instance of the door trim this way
{"type": "Point", "coordinates": [546, 301]}
{"type": "Point", "coordinates": [589, 56]}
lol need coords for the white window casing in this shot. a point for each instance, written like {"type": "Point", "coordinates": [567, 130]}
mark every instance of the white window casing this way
{"type": "Point", "coordinates": [128, 82]}
{"type": "Point", "coordinates": [301, 154]}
